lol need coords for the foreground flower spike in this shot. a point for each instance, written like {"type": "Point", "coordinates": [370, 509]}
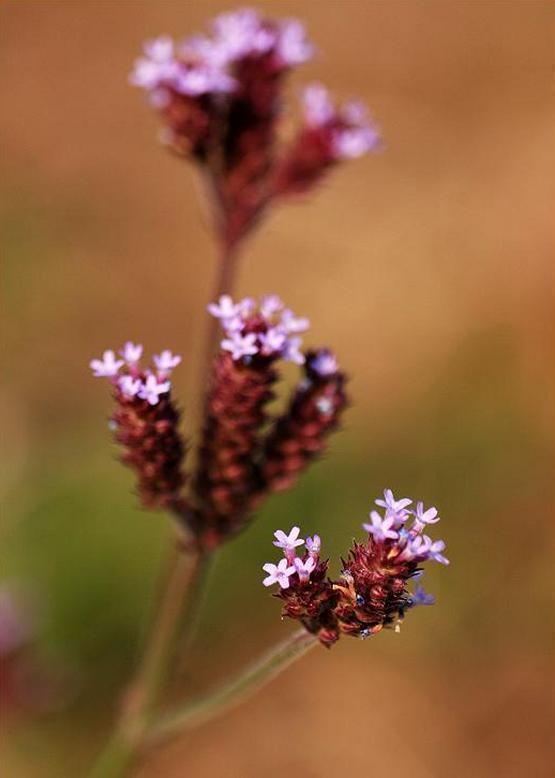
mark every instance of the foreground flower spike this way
{"type": "Point", "coordinates": [372, 591]}
{"type": "Point", "coordinates": [256, 337]}
{"type": "Point", "coordinates": [219, 98]}
{"type": "Point", "coordinates": [145, 422]}
{"type": "Point", "coordinates": [300, 434]}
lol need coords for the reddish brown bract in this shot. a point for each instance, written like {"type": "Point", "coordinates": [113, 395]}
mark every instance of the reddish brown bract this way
{"type": "Point", "coordinates": [153, 448]}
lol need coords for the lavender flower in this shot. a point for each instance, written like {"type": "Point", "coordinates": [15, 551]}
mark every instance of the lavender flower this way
{"type": "Point", "coordinates": [313, 545]}
{"type": "Point", "coordinates": [265, 330]}
{"type": "Point", "coordinates": [349, 128]}
{"type": "Point", "coordinates": [423, 517]}
{"type": "Point", "coordinates": [107, 367]}
{"type": "Point", "coordinates": [305, 568]}
{"type": "Point", "coordinates": [151, 389]}
{"type": "Point", "coordinates": [129, 386]}
{"type": "Point", "coordinates": [420, 597]}
{"type": "Point", "coordinates": [279, 573]}
{"type": "Point", "coordinates": [166, 361]}
{"type": "Point", "coordinates": [381, 528]}
{"type": "Point", "coordinates": [324, 363]}
{"type": "Point", "coordinates": [288, 542]}
{"type": "Point", "coordinates": [131, 352]}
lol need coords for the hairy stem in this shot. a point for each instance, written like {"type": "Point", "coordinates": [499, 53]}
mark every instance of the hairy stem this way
{"type": "Point", "coordinates": [271, 664]}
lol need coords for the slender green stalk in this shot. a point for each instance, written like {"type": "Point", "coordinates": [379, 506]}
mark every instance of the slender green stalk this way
{"type": "Point", "coordinates": [194, 713]}
{"type": "Point", "coordinates": [183, 574]}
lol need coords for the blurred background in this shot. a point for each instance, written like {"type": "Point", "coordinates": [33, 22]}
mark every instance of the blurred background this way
{"type": "Point", "coordinates": [428, 267]}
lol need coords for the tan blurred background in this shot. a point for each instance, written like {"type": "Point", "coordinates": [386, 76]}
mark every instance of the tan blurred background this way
{"type": "Point", "coordinates": [428, 267]}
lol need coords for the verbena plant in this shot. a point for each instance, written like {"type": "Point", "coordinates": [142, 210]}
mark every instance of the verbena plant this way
{"type": "Point", "coordinates": [219, 100]}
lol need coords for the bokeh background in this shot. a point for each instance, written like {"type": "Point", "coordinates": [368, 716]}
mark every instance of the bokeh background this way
{"type": "Point", "coordinates": [429, 267]}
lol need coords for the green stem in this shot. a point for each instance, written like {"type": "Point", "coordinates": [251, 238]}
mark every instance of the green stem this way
{"type": "Point", "coordinates": [194, 713]}
{"type": "Point", "coordinates": [143, 695]}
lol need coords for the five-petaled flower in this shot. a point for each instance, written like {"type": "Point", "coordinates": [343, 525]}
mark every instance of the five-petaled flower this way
{"type": "Point", "coordinates": [381, 528]}
{"type": "Point", "coordinates": [305, 568]}
{"type": "Point", "coordinates": [166, 361]}
{"type": "Point", "coordinates": [288, 542]}
{"type": "Point", "coordinates": [279, 573]}
{"type": "Point", "coordinates": [106, 367]}
{"type": "Point", "coordinates": [151, 389]}
{"type": "Point", "coordinates": [131, 352]}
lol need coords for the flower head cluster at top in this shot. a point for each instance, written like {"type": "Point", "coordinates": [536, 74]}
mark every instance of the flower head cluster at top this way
{"type": "Point", "coordinates": [203, 65]}
{"type": "Point", "coordinates": [268, 330]}
{"type": "Point", "coordinates": [125, 372]}
{"type": "Point", "coordinates": [219, 98]}
{"type": "Point", "coordinates": [371, 592]}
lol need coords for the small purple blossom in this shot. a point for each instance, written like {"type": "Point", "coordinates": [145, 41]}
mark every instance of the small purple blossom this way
{"type": "Point", "coordinates": [288, 542]}
{"type": "Point", "coordinates": [318, 108]}
{"type": "Point", "coordinates": [292, 45]}
{"type": "Point", "coordinates": [292, 323]}
{"type": "Point", "coordinates": [380, 528]}
{"type": "Point", "coordinates": [131, 352]}
{"type": "Point", "coordinates": [324, 363]}
{"type": "Point", "coordinates": [240, 345]}
{"type": "Point", "coordinates": [420, 597]}
{"type": "Point", "coordinates": [166, 361]}
{"type": "Point", "coordinates": [267, 329]}
{"type": "Point", "coordinates": [396, 509]}
{"type": "Point", "coordinates": [279, 573]}
{"type": "Point", "coordinates": [423, 517]}
{"type": "Point", "coordinates": [106, 367]}
{"type": "Point", "coordinates": [304, 569]}
{"type": "Point", "coordinates": [292, 351]}
{"type": "Point", "coordinates": [351, 131]}
{"type": "Point", "coordinates": [313, 545]}
{"type": "Point", "coordinates": [435, 549]}
{"type": "Point", "coordinates": [151, 389]}
{"type": "Point", "coordinates": [129, 386]}
{"type": "Point", "coordinates": [225, 308]}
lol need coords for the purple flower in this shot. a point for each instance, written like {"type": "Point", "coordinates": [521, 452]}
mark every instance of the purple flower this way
{"type": "Point", "coordinates": [239, 34]}
{"type": "Point", "coordinates": [317, 106]}
{"type": "Point", "coordinates": [273, 341]}
{"type": "Point", "coordinates": [292, 45]}
{"type": "Point", "coordinates": [324, 363]}
{"type": "Point", "coordinates": [106, 367]}
{"type": "Point", "coordinates": [420, 597]}
{"type": "Point", "coordinates": [304, 569]}
{"type": "Point", "coordinates": [288, 542]}
{"type": "Point", "coordinates": [279, 573]}
{"type": "Point", "coordinates": [151, 389]}
{"type": "Point", "coordinates": [270, 304]}
{"type": "Point", "coordinates": [225, 308]}
{"type": "Point", "coordinates": [396, 509]}
{"type": "Point", "coordinates": [425, 517]}
{"type": "Point", "coordinates": [434, 550]}
{"type": "Point", "coordinates": [240, 345]}
{"type": "Point", "coordinates": [166, 361]}
{"type": "Point", "coordinates": [131, 352]}
{"type": "Point", "coordinates": [380, 529]}
{"type": "Point", "coordinates": [313, 545]}
{"type": "Point", "coordinates": [292, 323]}
{"type": "Point", "coordinates": [129, 386]}
{"type": "Point", "coordinates": [292, 352]}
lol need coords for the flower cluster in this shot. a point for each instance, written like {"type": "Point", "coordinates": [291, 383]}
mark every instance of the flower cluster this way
{"type": "Point", "coordinates": [268, 330]}
{"type": "Point", "coordinates": [145, 422]}
{"type": "Point", "coordinates": [207, 65]}
{"type": "Point", "coordinates": [219, 98]}
{"type": "Point", "coordinates": [371, 592]}
{"type": "Point", "coordinates": [329, 135]}
{"type": "Point", "coordinates": [126, 374]}
{"type": "Point", "coordinates": [244, 454]}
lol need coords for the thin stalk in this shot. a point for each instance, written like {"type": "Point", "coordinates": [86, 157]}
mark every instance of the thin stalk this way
{"type": "Point", "coordinates": [271, 664]}
{"type": "Point", "coordinates": [145, 690]}
{"type": "Point", "coordinates": [181, 572]}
